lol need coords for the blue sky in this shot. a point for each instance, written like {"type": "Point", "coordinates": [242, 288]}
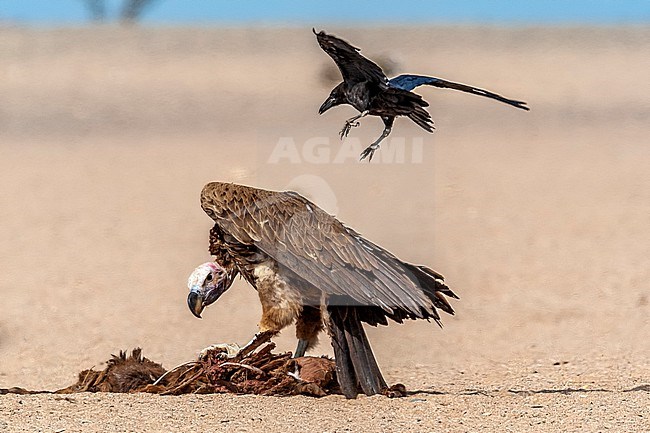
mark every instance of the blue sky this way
{"type": "Point", "coordinates": [312, 12]}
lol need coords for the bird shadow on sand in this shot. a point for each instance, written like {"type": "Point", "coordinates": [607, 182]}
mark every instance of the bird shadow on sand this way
{"type": "Point", "coordinates": [419, 392]}
{"type": "Point", "coordinates": [526, 392]}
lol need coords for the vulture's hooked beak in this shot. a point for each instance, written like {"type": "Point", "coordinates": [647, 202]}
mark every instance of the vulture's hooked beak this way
{"type": "Point", "coordinates": [200, 297]}
{"type": "Point", "coordinates": [195, 302]}
{"type": "Point", "coordinates": [329, 103]}
{"type": "Point", "coordinates": [207, 283]}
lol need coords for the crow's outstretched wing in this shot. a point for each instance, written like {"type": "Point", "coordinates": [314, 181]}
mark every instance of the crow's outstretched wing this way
{"type": "Point", "coordinates": [410, 82]}
{"type": "Point", "coordinates": [323, 252]}
{"type": "Point", "coordinates": [353, 66]}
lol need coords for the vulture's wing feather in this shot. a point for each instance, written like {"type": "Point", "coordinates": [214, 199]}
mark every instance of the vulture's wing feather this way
{"type": "Point", "coordinates": [410, 82]}
{"type": "Point", "coordinates": [322, 251]}
{"type": "Point", "coordinates": [353, 66]}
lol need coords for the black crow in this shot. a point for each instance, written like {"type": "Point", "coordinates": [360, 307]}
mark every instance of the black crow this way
{"type": "Point", "coordinates": [367, 89]}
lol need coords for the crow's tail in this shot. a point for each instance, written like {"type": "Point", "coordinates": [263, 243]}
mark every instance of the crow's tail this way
{"type": "Point", "coordinates": [355, 363]}
{"type": "Point", "coordinates": [398, 102]}
{"type": "Point", "coordinates": [422, 118]}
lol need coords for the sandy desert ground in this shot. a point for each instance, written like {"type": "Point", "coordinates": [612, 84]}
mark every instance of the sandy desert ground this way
{"type": "Point", "coordinates": [540, 221]}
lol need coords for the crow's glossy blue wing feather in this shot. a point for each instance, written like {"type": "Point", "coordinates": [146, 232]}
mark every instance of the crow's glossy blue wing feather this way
{"type": "Point", "coordinates": [410, 82]}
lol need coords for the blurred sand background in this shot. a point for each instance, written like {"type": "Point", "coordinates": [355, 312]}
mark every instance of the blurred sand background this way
{"type": "Point", "coordinates": [540, 221]}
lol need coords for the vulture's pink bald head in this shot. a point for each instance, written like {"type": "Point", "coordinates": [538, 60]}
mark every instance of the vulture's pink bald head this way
{"type": "Point", "coordinates": [206, 283]}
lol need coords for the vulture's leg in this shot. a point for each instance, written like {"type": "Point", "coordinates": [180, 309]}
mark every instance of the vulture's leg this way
{"type": "Point", "coordinates": [345, 374]}
{"type": "Point", "coordinates": [308, 326]}
{"type": "Point", "coordinates": [301, 348]}
{"type": "Point", "coordinates": [370, 150]}
{"type": "Point", "coordinates": [351, 123]}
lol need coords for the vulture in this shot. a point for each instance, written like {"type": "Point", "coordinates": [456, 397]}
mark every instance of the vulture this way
{"type": "Point", "coordinates": [366, 88]}
{"type": "Point", "coordinates": [310, 269]}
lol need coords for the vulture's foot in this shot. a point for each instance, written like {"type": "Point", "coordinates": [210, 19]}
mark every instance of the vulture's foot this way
{"type": "Point", "coordinates": [230, 350]}
{"type": "Point", "coordinates": [349, 124]}
{"type": "Point", "coordinates": [233, 350]}
{"type": "Point", "coordinates": [368, 152]}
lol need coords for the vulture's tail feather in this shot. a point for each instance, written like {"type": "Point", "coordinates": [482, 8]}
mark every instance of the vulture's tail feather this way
{"type": "Point", "coordinates": [434, 287]}
{"type": "Point", "coordinates": [355, 363]}
{"type": "Point", "coordinates": [344, 367]}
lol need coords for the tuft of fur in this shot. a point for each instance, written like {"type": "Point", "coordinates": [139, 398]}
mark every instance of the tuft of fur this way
{"type": "Point", "coordinates": [123, 373]}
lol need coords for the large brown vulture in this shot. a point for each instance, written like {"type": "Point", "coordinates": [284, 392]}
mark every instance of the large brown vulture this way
{"type": "Point", "coordinates": [366, 88]}
{"type": "Point", "coordinates": [310, 269]}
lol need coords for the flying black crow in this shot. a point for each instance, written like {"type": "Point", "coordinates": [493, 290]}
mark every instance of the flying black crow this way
{"type": "Point", "coordinates": [367, 89]}
{"type": "Point", "coordinates": [309, 268]}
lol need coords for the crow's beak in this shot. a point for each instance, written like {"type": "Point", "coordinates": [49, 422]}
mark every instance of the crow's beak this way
{"type": "Point", "coordinates": [195, 302]}
{"type": "Point", "coordinates": [329, 103]}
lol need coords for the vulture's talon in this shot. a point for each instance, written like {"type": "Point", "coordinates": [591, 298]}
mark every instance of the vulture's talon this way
{"type": "Point", "coordinates": [230, 350]}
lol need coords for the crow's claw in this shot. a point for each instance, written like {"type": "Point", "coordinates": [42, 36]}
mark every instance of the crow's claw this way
{"type": "Point", "coordinates": [368, 152]}
{"type": "Point", "coordinates": [346, 128]}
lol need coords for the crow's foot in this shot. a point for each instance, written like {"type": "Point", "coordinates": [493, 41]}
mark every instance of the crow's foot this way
{"type": "Point", "coordinates": [351, 123]}
{"type": "Point", "coordinates": [346, 128]}
{"type": "Point", "coordinates": [368, 152]}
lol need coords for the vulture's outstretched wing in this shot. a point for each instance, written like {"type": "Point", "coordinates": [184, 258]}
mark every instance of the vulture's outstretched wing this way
{"type": "Point", "coordinates": [353, 66]}
{"type": "Point", "coordinates": [325, 253]}
{"type": "Point", "coordinates": [410, 82]}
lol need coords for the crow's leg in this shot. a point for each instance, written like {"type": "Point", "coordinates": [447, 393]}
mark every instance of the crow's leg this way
{"type": "Point", "coordinates": [351, 123]}
{"type": "Point", "coordinates": [370, 150]}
